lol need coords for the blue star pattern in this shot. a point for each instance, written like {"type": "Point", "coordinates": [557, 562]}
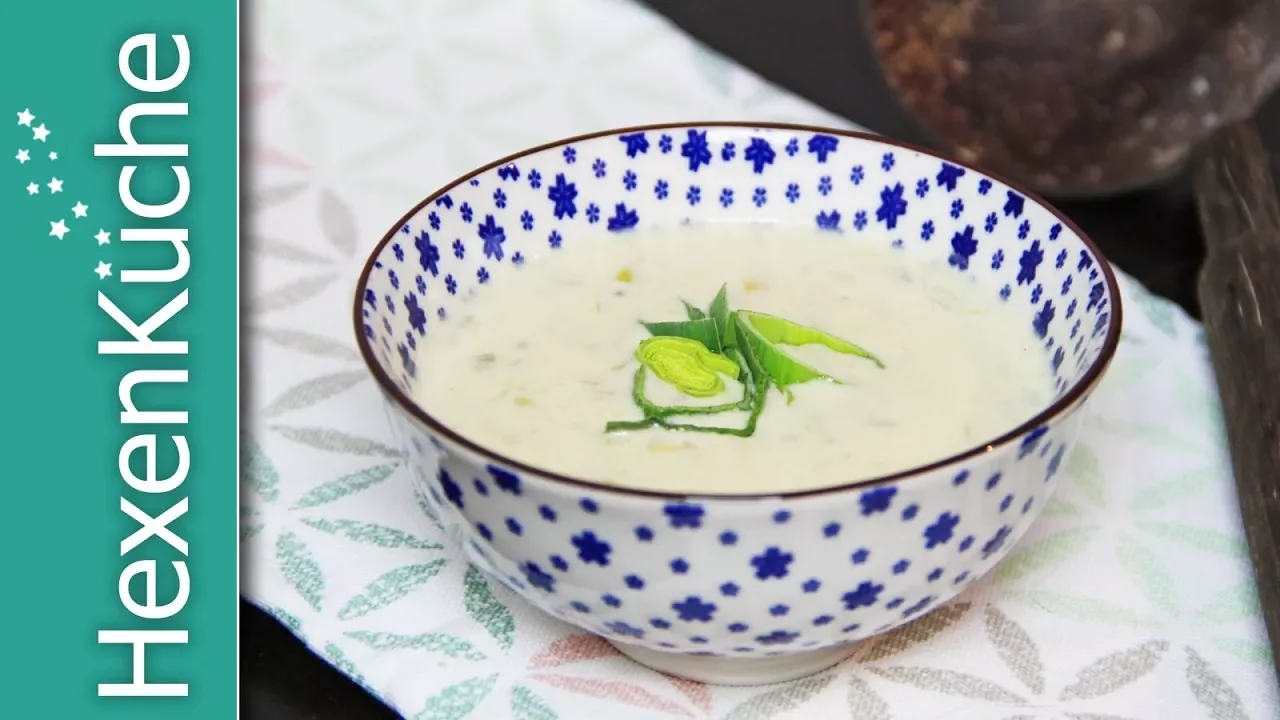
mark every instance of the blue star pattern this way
{"type": "Point", "coordinates": [710, 575]}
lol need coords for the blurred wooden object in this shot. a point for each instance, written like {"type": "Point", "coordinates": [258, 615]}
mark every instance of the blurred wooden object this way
{"type": "Point", "coordinates": [1077, 97]}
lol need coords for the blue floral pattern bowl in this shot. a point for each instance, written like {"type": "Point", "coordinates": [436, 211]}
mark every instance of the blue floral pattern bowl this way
{"type": "Point", "coordinates": [740, 589]}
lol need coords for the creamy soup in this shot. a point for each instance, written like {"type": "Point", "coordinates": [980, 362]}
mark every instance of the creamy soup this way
{"type": "Point", "coordinates": [537, 365]}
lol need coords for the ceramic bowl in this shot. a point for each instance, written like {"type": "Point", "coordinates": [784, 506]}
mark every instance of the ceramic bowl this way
{"type": "Point", "coordinates": [733, 589]}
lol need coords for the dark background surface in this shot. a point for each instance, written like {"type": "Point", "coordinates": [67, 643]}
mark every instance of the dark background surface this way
{"type": "Point", "coordinates": [813, 48]}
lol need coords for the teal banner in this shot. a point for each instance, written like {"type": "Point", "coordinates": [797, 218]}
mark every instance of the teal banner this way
{"type": "Point", "coordinates": [118, 180]}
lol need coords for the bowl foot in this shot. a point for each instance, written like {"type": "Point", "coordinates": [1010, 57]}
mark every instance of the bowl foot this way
{"type": "Point", "coordinates": [738, 671]}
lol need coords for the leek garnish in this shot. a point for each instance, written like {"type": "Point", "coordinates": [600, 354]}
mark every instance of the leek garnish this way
{"type": "Point", "coordinates": [695, 355]}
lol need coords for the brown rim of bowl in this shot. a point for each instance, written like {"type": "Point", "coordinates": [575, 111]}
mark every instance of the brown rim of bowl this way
{"type": "Point", "coordinates": [1073, 394]}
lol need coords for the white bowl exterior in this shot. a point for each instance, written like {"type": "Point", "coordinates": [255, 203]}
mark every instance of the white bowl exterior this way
{"type": "Point", "coordinates": [738, 576]}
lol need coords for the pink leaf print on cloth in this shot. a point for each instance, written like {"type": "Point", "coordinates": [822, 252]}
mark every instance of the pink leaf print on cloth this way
{"type": "Point", "coordinates": [622, 692]}
{"type": "Point", "coordinates": [574, 648]}
{"type": "Point", "coordinates": [697, 692]}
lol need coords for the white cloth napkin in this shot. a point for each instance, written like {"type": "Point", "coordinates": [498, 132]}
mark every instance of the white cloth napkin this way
{"type": "Point", "coordinates": [1131, 598]}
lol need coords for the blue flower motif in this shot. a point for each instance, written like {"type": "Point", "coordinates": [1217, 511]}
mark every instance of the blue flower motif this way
{"type": "Point", "coordinates": [660, 189]}
{"type": "Point", "coordinates": [395, 279]}
{"type": "Point", "coordinates": [793, 147]}
{"type": "Point", "coordinates": [526, 220]}
{"type": "Point", "coordinates": [451, 489]}
{"type": "Point", "coordinates": [966, 543]}
{"type": "Point", "coordinates": [514, 527]}
{"type": "Point", "coordinates": [728, 537]}
{"type": "Point", "coordinates": [1095, 297]}
{"type": "Point", "coordinates": [726, 197]}
{"type": "Point", "coordinates": [482, 275]}
{"type": "Point", "coordinates": [598, 168]}
{"type": "Point", "coordinates": [828, 220]}
{"type": "Point", "coordinates": [538, 578]}
{"type": "Point", "coordinates": [467, 212]}
{"type": "Point", "coordinates": [694, 196]}
{"type": "Point", "coordinates": [547, 512]}
{"type": "Point", "coordinates": [636, 143]}
{"type": "Point", "coordinates": [459, 251]}
{"type": "Point", "coordinates": [1085, 261]}
{"type": "Point", "coordinates": [629, 180]}
{"type": "Point", "coordinates": [824, 184]}
{"type": "Point", "coordinates": [554, 239]}
{"type": "Point", "coordinates": [535, 179]}
{"type": "Point", "coordinates": [820, 145]}
{"type": "Point", "coordinates": [1058, 357]}
{"type": "Point", "coordinates": [1013, 204]}
{"type": "Point", "coordinates": [570, 155]}
{"type": "Point", "coordinates": [591, 549]}
{"type": "Point", "coordinates": [506, 480]}
{"type": "Point", "coordinates": [940, 532]}
{"type": "Point", "coordinates": [860, 219]}
{"type": "Point", "coordinates": [831, 529]}
{"type": "Point", "coordinates": [445, 201]}
{"type": "Point", "coordinates": [407, 360]}
{"type": "Point", "coordinates": [865, 595]}
{"type": "Point", "coordinates": [562, 194]}
{"type": "Point", "coordinates": [1043, 318]}
{"type": "Point", "coordinates": [644, 534]}
{"type": "Point", "coordinates": [1005, 292]}
{"type": "Point", "coordinates": [901, 566]}
{"type": "Point", "coordinates": [679, 566]}
{"type": "Point", "coordinates": [589, 505]}
{"type": "Point", "coordinates": [417, 316]}
{"type": "Point", "coordinates": [434, 219]}
{"type": "Point", "coordinates": [963, 246]}
{"type": "Point", "coordinates": [684, 515]}
{"type": "Point", "coordinates": [1056, 461]}
{"type": "Point", "coordinates": [696, 150]}
{"type": "Point", "coordinates": [428, 254]}
{"type": "Point", "coordinates": [660, 623]}
{"type": "Point", "coordinates": [421, 284]}
{"type": "Point", "coordinates": [693, 608]}
{"type": "Point", "coordinates": [991, 546]}
{"type": "Point", "coordinates": [760, 197]}
{"type": "Point", "coordinates": [371, 297]}
{"type": "Point", "coordinates": [990, 223]}
{"type": "Point", "coordinates": [405, 229]}
{"type": "Point", "coordinates": [580, 606]}
{"type": "Point", "coordinates": [886, 162]}
{"type": "Point", "coordinates": [997, 259]}
{"type": "Point", "coordinates": [1060, 260]}
{"type": "Point", "coordinates": [793, 192]}
{"type": "Point", "coordinates": [822, 620]}
{"type": "Point", "coordinates": [729, 589]}
{"type": "Point", "coordinates": [984, 186]}
{"type": "Point", "coordinates": [1036, 293]}
{"type": "Point", "coordinates": [759, 153]}
{"type": "Point", "coordinates": [920, 604]}
{"type": "Point", "coordinates": [1024, 229]}
{"type": "Point", "coordinates": [772, 563]}
{"type": "Point", "coordinates": [593, 213]}
{"type": "Point", "coordinates": [635, 582]}
{"type": "Point", "coordinates": [892, 205]}
{"type": "Point", "coordinates": [957, 207]}
{"type": "Point", "coordinates": [499, 198]}
{"type": "Point", "coordinates": [926, 230]}
{"type": "Point", "coordinates": [727, 152]}
{"type": "Point", "coordinates": [623, 219]}
{"type": "Point", "coordinates": [451, 285]}
{"type": "Point", "coordinates": [856, 175]}
{"type": "Point", "coordinates": [509, 172]}
{"type": "Point", "coordinates": [619, 627]}
{"type": "Point", "coordinates": [949, 176]}
{"type": "Point", "coordinates": [664, 143]}
{"type": "Point", "coordinates": [910, 511]}
{"type": "Point", "coordinates": [493, 236]}
{"type": "Point", "coordinates": [1030, 260]}
{"type": "Point", "coordinates": [877, 500]}
{"type": "Point", "coordinates": [778, 637]}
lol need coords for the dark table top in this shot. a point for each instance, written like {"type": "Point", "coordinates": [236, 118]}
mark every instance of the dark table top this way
{"type": "Point", "coordinates": [1153, 235]}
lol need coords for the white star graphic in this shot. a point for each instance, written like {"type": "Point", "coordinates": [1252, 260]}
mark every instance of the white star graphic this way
{"type": "Point", "coordinates": [23, 156]}
{"type": "Point", "coordinates": [40, 132]}
{"type": "Point", "coordinates": [59, 229]}
{"type": "Point", "coordinates": [32, 189]}
{"type": "Point", "coordinates": [103, 237]}
{"type": "Point", "coordinates": [55, 185]}
{"type": "Point", "coordinates": [103, 270]}
{"type": "Point", "coordinates": [53, 156]}
{"type": "Point", "coordinates": [80, 209]}
{"type": "Point", "coordinates": [25, 117]}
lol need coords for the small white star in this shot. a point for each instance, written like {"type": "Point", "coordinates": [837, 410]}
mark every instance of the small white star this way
{"type": "Point", "coordinates": [53, 156]}
{"type": "Point", "coordinates": [103, 270]}
{"type": "Point", "coordinates": [80, 209]}
{"type": "Point", "coordinates": [59, 229]}
{"type": "Point", "coordinates": [55, 185]}
{"type": "Point", "coordinates": [25, 117]}
{"type": "Point", "coordinates": [40, 132]}
{"type": "Point", "coordinates": [103, 237]}
{"type": "Point", "coordinates": [23, 156]}
{"type": "Point", "coordinates": [32, 189]}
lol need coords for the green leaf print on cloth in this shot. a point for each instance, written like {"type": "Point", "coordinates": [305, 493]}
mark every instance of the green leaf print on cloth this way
{"type": "Point", "coordinates": [390, 587]}
{"type": "Point", "coordinates": [481, 605]}
{"type": "Point", "coordinates": [457, 701]}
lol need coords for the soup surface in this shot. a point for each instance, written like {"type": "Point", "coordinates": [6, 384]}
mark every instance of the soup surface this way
{"type": "Point", "coordinates": [537, 364]}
